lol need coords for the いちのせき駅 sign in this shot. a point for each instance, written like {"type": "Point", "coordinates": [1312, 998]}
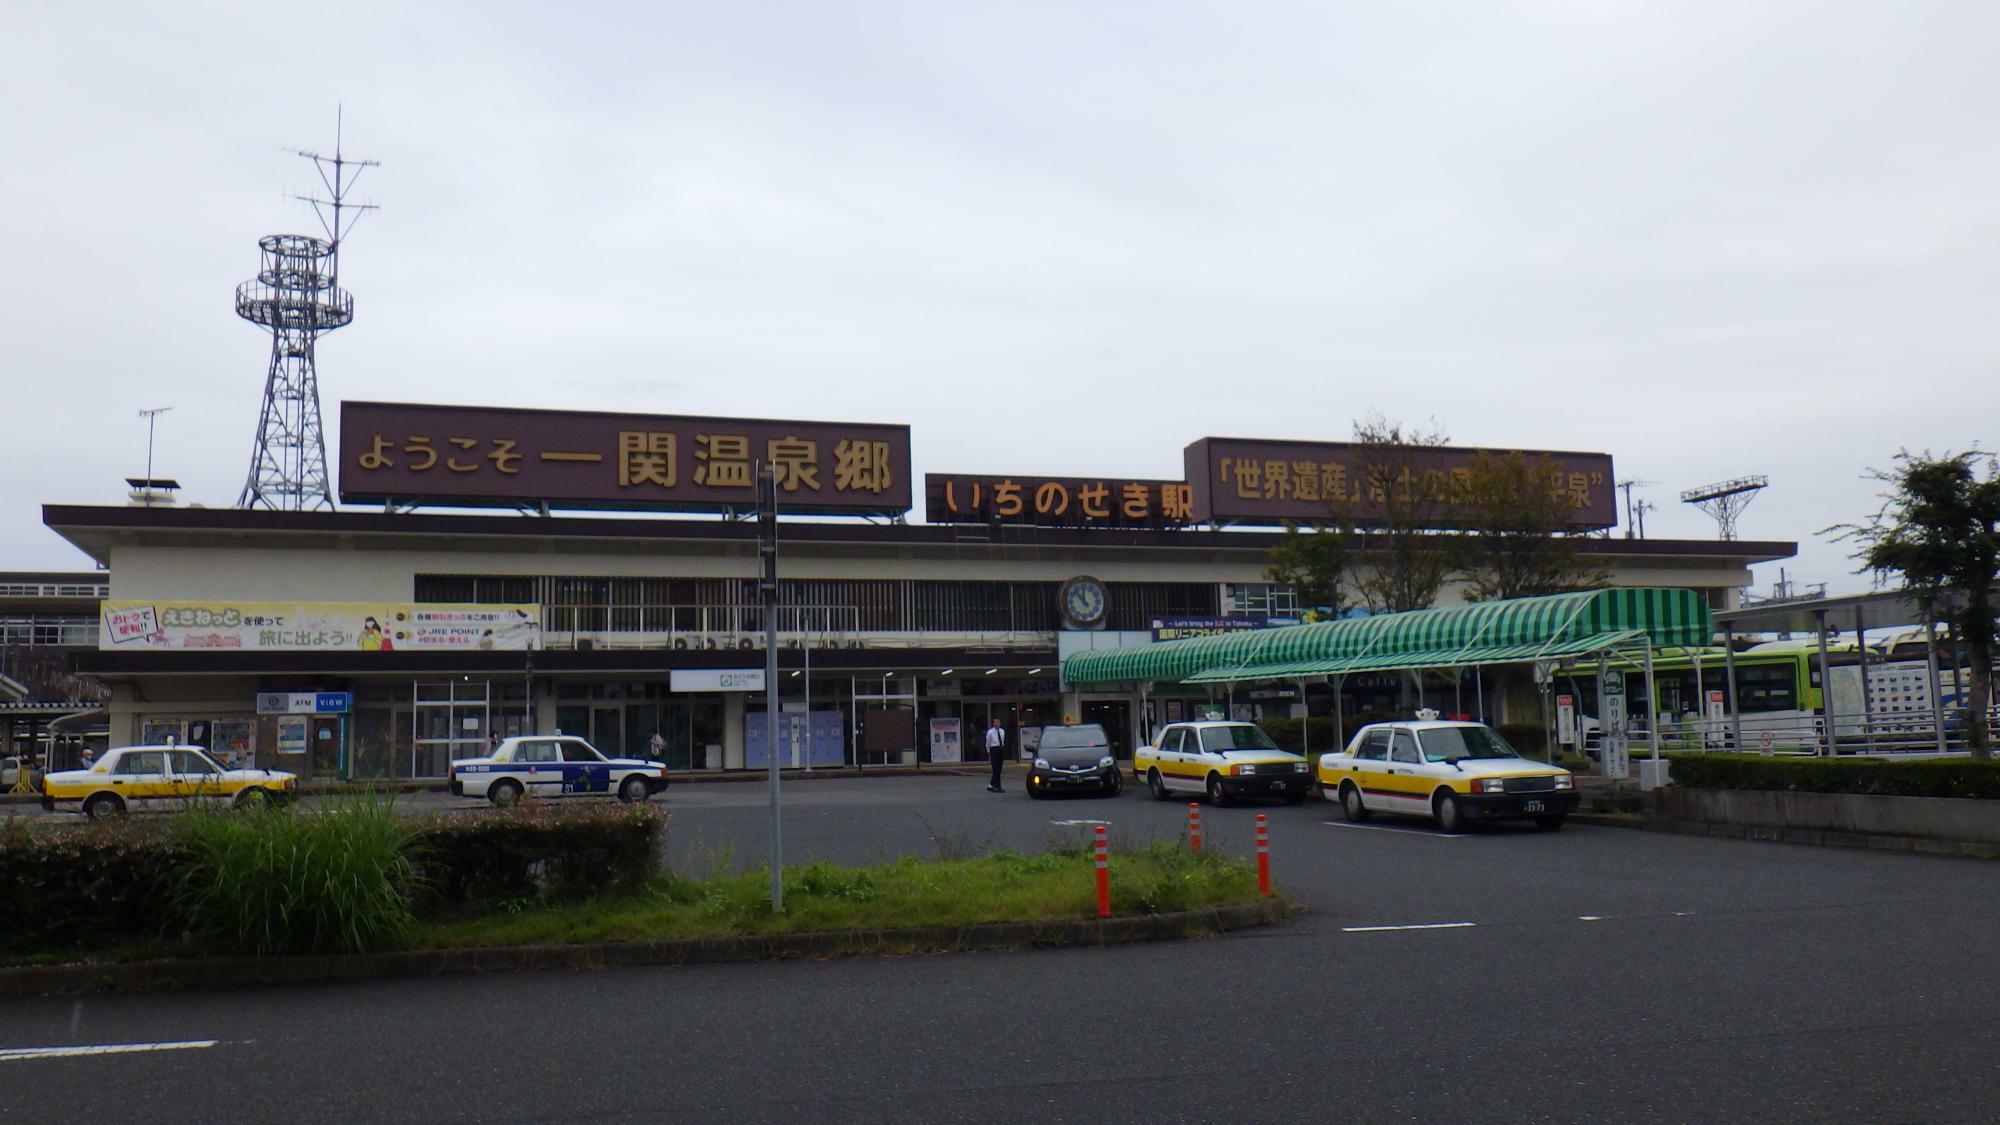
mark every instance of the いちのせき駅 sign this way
{"type": "Point", "coordinates": [1257, 481]}
{"type": "Point", "coordinates": [481, 456]}
{"type": "Point", "coordinates": [316, 626]}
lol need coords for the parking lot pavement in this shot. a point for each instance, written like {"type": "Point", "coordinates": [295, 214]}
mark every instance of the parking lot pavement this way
{"type": "Point", "coordinates": [1586, 975]}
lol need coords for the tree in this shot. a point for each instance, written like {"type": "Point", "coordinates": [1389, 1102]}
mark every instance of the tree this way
{"type": "Point", "coordinates": [1939, 530]}
{"type": "Point", "coordinates": [1520, 541]}
{"type": "Point", "coordinates": [1313, 560]}
{"type": "Point", "coordinates": [1405, 507]}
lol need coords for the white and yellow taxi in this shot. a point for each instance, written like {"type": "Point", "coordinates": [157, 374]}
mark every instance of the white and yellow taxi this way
{"type": "Point", "coordinates": [1454, 772]}
{"type": "Point", "coordinates": [160, 779]}
{"type": "Point", "coordinates": [1222, 760]}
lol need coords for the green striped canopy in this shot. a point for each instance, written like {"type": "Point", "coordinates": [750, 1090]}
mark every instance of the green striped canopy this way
{"type": "Point", "coordinates": [1520, 629]}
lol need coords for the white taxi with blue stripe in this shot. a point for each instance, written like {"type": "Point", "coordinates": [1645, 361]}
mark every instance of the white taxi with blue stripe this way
{"type": "Point", "coordinates": [541, 765]}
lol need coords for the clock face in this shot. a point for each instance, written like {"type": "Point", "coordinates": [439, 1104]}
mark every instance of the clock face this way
{"type": "Point", "coordinates": [1083, 601]}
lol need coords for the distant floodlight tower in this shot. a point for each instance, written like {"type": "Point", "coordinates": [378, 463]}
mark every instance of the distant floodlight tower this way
{"type": "Point", "coordinates": [1726, 501]}
{"type": "Point", "coordinates": [297, 296]}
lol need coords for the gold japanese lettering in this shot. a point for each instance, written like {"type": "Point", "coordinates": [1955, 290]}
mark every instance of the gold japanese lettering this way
{"type": "Point", "coordinates": [794, 462]}
{"type": "Point", "coordinates": [862, 466]}
{"type": "Point", "coordinates": [1249, 479]}
{"type": "Point", "coordinates": [420, 444]}
{"type": "Point", "coordinates": [1091, 498]}
{"type": "Point", "coordinates": [1136, 500]}
{"type": "Point", "coordinates": [1305, 480]}
{"type": "Point", "coordinates": [646, 457]}
{"type": "Point", "coordinates": [377, 456]}
{"type": "Point", "coordinates": [1177, 501]}
{"type": "Point", "coordinates": [1277, 480]}
{"type": "Point", "coordinates": [722, 460]}
{"type": "Point", "coordinates": [1051, 499]}
{"type": "Point", "coordinates": [462, 443]}
{"type": "Point", "coordinates": [1006, 498]}
{"type": "Point", "coordinates": [1333, 480]}
{"type": "Point", "coordinates": [503, 456]}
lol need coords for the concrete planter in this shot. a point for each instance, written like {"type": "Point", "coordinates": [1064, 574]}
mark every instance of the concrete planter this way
{"type": "Point", "coordinates": [1958, 825]}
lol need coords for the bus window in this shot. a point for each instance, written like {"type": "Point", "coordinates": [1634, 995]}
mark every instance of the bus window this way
{"type": "Point", "coordinates": [1767, 687]}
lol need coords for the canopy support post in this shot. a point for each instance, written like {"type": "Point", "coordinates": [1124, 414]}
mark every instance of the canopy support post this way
{"type": "Point", "coordinates": [1653, 723]}
{"type": "Point", "coordinates": [1729, 685]}
{"type": "Point", "coordinates": [1825, 686]}
{"type": "Point", "coordinates": [1305, 722]}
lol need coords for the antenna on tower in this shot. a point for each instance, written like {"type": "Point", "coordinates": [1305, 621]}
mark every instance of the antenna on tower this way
{"type": "Point", "coordinates": [1726, 501]}
{"type": "Point", "coordinates": [296, 297]}
{"type": "Point", "coordinates": [1635, 517]}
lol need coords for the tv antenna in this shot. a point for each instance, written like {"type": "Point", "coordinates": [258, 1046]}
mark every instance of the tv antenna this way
{"type": "Point", "coordinates": [151, 416]}
{"type": "Point", "coordinates": [297, 297]}
{"type": "Point", "coordinates": [1635, 516]}
{"type": "Point", "coordinates": [1726, 500]}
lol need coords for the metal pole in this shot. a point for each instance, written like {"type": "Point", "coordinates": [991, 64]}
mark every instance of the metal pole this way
{"type": "Point", "coordinates": [1479, 691]}
{"type": "Point", "coordinates": [1937, 689]}
{"type": "Point", "coordinates": [1729, 685]}
{"type": "Point", "coordinates": [1825, 685]}
{"type": "Point", "coordinates": [1867, 704]}
{"type": "Point", "coordinates": [809, 700]}
{"type": "Point", "coordinates": [1653, 723]}
{"type": "Point", "coordinates": [1305, 723]}
{"type": "Point", "coordinates": [767, 485]}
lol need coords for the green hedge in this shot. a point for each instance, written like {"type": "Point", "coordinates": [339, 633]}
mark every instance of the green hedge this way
{"type": "Point", "coordinates": [539, 852]}
{"type": "Point", "coordinates": [145, 880]}
{"type": "Point", "coordinates": [1940, 777]}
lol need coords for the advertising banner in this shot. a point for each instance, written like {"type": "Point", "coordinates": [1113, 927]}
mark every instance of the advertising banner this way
{"type": "Point", "coordinates": [944, 740]}
{"type": "Point", "coordinates": [1243, 480]}
{"type": "Point", "coordinates": [1090, 502]}
{"type": "Point", "coordinates": [316, 626]}
{"type": "Point", "coordinates": [716, 679]}
{"type": "Point", "coordinates": [1181, 628]}
{"type": "Point", "coordinates": [478, 456]}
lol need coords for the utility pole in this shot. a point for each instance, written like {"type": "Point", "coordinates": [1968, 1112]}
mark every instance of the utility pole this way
{"type": "Point", "coordinates": [1635, 517]}
{"type": "Point", "coordinates": [767, 589]}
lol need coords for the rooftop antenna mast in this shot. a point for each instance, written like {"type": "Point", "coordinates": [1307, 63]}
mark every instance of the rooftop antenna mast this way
{"type": "Point", "coordinates": [1726, 500]}
{"type": "Point", "coordinates": [297, 297]}
{"type": "Point", "coordinates": [1635, 517]}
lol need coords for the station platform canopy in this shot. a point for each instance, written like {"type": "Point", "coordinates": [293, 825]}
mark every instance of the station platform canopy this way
{"type": "Point", "coordinates": [1500, 632]}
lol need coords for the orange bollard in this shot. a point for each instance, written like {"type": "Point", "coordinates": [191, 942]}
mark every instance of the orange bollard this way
{"type": "Point", "coordinates": [1103, 875]}
{"type": "Point", "coordinates": [1263, 856]}
{"type": "Point", "coordinates": [1194, 827]}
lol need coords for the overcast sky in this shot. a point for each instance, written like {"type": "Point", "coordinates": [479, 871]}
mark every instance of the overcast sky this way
{"type": "Point", "coordinates": [1711, 239]}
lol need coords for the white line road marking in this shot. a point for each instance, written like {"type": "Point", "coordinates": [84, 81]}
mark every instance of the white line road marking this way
{"type": "Point", "coordinates": [22, 1054]}
{"type": "Point", "coordinates": [1399, 831]}
{"type": "Point", "coordinates": [1422, 926]}
{"type": "Point", "coordinates": [1590, 917]}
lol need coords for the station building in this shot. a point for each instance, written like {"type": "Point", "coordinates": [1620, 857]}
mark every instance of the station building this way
{"type": "Point", "coordinates": [898, 642]}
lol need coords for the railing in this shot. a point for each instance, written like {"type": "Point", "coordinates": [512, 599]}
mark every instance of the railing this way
{"type": "Point", "coordinates": [1898, 734]}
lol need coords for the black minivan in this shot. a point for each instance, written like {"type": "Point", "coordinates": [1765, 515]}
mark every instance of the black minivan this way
{"type": "Point", "coordinates": [1071, 757]}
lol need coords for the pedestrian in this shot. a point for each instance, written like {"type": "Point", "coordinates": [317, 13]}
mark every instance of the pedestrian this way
{"type": "Point", "coordinates": [657, 746]}
{"type": "Point", "coordinates": [996, 747]}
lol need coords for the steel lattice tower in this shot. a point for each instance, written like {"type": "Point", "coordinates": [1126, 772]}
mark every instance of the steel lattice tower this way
{"type": "Point", "coordinates": [297, 296]}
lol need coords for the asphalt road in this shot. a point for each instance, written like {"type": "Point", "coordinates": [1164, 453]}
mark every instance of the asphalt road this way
{"type": "Point", "coordinates": [1592, 974]}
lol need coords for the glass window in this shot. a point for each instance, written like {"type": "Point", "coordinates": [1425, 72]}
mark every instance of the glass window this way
{"type": "Point", "coordinates": [580, 752]}
{"type": "Point", "coordinates": [1376, 748]}
{"type": "Point", "coordinates": [188, 762]}
{"type": "Point", "coordinates": [537, 751]}
{"type": "Point", "coordinates": [1074, 737]}
{"type": "Point", "coordinates": [1766, 687]}
{"type": "Point", "coordinates": [1236, 736]}
{"type": "Point", "coordinates": [141, 762]}
{"type": "Point", "coordinates": [1404, 749]}
{"type": "Point", "coordinates": [1454, 744]}
{"type": "Point", "coordinates": [1170, 742]}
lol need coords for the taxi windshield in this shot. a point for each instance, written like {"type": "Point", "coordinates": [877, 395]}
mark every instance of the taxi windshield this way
{"type": "Point", "coordinates": [1235, 737]}
{"type": "Point", "coordinates": [1457, 744]}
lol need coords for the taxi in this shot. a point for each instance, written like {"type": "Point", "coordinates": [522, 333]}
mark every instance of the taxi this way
{"type": "Point", "coordinates": [160, 779]}
{"type": "Point", "coordinates": [1222, 760]}
{"type": "Point", "coordinates": [544, 765]}
{"type": "Point", "coordinates": [1453, 772]}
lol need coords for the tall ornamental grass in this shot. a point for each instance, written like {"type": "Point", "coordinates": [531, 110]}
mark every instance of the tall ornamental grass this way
{"type": "Point", "coordinates": [336, 879]}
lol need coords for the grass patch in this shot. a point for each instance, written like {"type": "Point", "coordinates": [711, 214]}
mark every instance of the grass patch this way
{"type": "Point", "coordinates": [1005, 886]}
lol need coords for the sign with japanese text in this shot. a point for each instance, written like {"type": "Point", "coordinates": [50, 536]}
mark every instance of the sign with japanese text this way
{"type": "Point", "coordinates": [716, 679]}
{"type": "Point", "coordinates": [304, 702]}
{"type": "Point", "coordinates": [1056, 501]}
{"type": "Point", "coordinates": [317, 626]}
{"type": "Point", "coordinates": [1181, 628]}
{"type": "Point", "coordinates": [479, 456]}
{"type": "Point", "coordinates": [1244, 480]}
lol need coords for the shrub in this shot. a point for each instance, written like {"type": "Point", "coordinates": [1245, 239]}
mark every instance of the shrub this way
{"type": "Point", "coordinates": [1942, 777]}
{"type": "Point", "coordinates": [337, 880]}
{"type": "Point", "coordinates": [102, 884]}
{"type": "Point", "coordinates": [1174, 878]}
{"type": "Point", "coordinates": [539, 851]}
{"type": "Point", "coordinates": [1529, 738]}
{"type": "Point", "coordinates": [1291, 734]}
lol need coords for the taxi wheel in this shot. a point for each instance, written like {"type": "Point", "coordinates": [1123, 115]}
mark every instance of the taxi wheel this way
{"type": "Point", "coordinates": [1216, 794]}
{"type": "Point", "coordinates": [253, 800]}
{"type": "Point", "coordinates": [1450, 817]}
{"type": "Point", "coordinates": [506, 794]}
{"type": "Point", "coordinates": [1350, 802]}
{"type": "Point", "coordinates": [1158, 786]}
{"type": "Point", "coordinates": [103, 806]}
{"type": "Point", "coordinates": [632, 790]}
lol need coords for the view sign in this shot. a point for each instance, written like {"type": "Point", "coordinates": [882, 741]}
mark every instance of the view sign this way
{"type": "Point", "coordinates": [1244, 480]}
{"type": "Point", "coordinates": [503, 457]}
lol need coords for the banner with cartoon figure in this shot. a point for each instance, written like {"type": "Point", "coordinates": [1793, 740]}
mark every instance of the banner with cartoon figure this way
{"type": "Point", "coordinates": [317, 626]}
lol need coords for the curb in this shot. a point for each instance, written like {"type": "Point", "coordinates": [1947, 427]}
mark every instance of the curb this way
{"type": "Point", "coordinates": [44, 980]}
{"type": "Point", "coordinates": [1828, 837]}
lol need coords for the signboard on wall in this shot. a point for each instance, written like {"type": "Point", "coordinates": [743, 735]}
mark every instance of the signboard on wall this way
{"type": "Point", "coordinates": [304, 702]}
{"type": "Point", "coordinates": [944, 740]}
{"type": "Point", "coordinates": [1031, 501]}
{"type": "Point", "coordinates": [1181, 628]}
{"type": "Point", "coordinates": [716, 679]}
{"type": "Point", "coordinates": [479, 456]}
{"type": "Point", "coordinates": [316, 626]}
{"type": "Point", "coordinates": [1246, 480]}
